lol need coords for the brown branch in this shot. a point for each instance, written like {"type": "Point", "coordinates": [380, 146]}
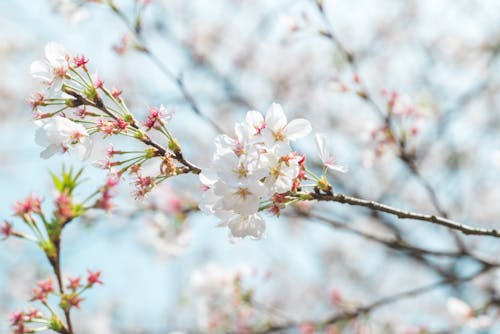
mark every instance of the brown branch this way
{"type": "Point", "coordinates": [341, 198]}
{"type": "Point", "coordinates": [406, 158]}
{"type": "Point", "coordinates": [98, 103]}
{"type": "Point", "coordinates": [55, 262]}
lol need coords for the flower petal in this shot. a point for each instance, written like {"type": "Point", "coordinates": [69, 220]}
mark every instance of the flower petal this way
{"type": "Point", "coordinates": [55, 53]}
{"type": "Point", "coordinates": [297, 128]}
{"type": "Point", "coordinates": [40, 70]}
{"type": "Point", "coordinates": [337, 168]}
{"type": "Point", "coordinates": [321, 145]}
{"type": "Point", "coordinates": [243, 226]}
{"type": "Point", "coordinates": [276, 118]}
{"type": "Point", "coordinates": [50, 151]}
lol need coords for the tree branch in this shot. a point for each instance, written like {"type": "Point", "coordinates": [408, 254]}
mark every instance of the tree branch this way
{"type": "Point", "coordinates": [177, 79]}
{"type": "Point", "coordinates": [363, 310]}
{"type": "Point", "coordinates": [341, 198]}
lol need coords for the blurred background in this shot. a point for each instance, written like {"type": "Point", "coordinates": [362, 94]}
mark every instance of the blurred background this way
{"type": "Point", "coordinates": [439, 58]}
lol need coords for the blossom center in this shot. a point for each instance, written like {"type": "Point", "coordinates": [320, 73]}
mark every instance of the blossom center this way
{"type": "Point", "coordinates": [60, 72]}
{"type": "Point", "coordinates": [243, 192]}
{"type": "Point", "coordinates": [279, 136]}
{"type": "Point", "coordinates": [241, 171]}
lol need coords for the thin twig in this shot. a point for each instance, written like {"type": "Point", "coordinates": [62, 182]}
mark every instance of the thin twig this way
{"type": "Point", "coordinates": [177, 79]}
{"type": "Point", "coordinates": [397, 243]}
{"type": "Point", "coordinates": [407, 159]}
{"type": "Point", "coordinates": [98, 103]}
{"type": "Point", "coordinates": [362, 310]}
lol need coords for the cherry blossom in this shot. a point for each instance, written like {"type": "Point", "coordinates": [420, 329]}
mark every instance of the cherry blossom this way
{"type": "Point", "coordinates": [278, 132]}
{"type": "Point", "coordinates": [59, 134]}
{"type": "Point", "coordinates": [249, 168]}
{"type": "Point", "coordinates": [53, 69]}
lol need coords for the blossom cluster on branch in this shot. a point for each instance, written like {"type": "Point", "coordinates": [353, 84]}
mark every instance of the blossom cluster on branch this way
{"type": "Point", "coordinates": [46, 232]}
{"type": "Point", "coordinates": [257, 170]}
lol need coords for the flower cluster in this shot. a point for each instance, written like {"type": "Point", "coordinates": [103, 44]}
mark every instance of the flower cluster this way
{"type": "Point", "coordinates": [46, 231]}
{"type": "Point", "coordinates": [105, 201]}
{"type": "Point", "coordinates": [157, 117]}
{"type": "Point", "coordinates": [25, 322]}
{"type": "Point", "coordinates": [19, 320]}
{"type": "Point", "coordinates": [45, 288]}
{"type": "Point", "coordinates": [77, 106]}
{"type": "Point", "coordinates": [404, 121]}
{"type": "Point", "coordinates": [252, 168]}
{"type": "Point", "coordinates": [73, 298]}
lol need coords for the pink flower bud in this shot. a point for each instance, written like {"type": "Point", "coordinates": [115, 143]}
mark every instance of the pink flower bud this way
{"type": "Point", "coordinates": [46, 286]}
{"type": "Point", "coordinates": [17, 318]}
{"type": "Point", "coordinates": [80, 61]}
{"type": "Point", "coordinates": [6, 229]}
{"type": "Point", "coordinates": [93, 278]}
{"type": "Point", "coordinates": [32, 204]}
{"type": "Point", "coordinates": [74, 283]}
{"type": "Point", "coordinates": [116, 93]}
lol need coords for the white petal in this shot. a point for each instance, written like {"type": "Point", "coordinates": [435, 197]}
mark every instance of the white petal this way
{"type": "Point", "coordinates": [208, 200]}
{"type": "Point", "coordinates": [50, 151]}
{"type": "Point", "coordinates": [223, 144]}
{"type": "Point", "coordinates": [41, 136]}
{"type": "Point", "coordinates": [337, 168]}
{"type": "Point", "coordinates": [276, 118]}
{"type": "Point", "coordinates": [297, 128]}
{"type": "Point", "coordinates": [281, 148]}
{"type": "Point", "coordinates": [243, 205]}
{"type": "Point", "coordinates": [254, 117]}
{"type": "Point", "coordinates": [40, 70]}
{"type": "Point", "coordinates": [232, 199]}
{"type": "Point", "coordinates": [321, 144]}
{"type": "Point", "coordinates": [226, 165]}
{"type": "Point", "coordinates": [55, 53]}
{"type": "Point", "coordinates": [243, 133]}
{"type": "Point", "coordinates": [255, 121]}
{"type": "Point", "coordinates": [283, 184]}
{"type": "Point", "coordinates": [243, 226]}
{"type": "Point", "coordinates": [208, 177]}
{"type": "Point", "coordinates": [57, 84]}
{"type": "Point", "coordinates": [257, 188]}
{"type": "Point", "coordinates": [84, 148]}
{"type": "Point", "coordinates": [78, 127]}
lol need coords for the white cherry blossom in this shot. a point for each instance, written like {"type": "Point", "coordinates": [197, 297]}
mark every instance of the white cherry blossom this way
{"type": "Point", "coordinates": [51, 70]}
{"type": "Point", "coordinates": [239, 170]}
{"type": "Point", "coordinates": [59, 134]}
{"type": "Point", "coordinates": [282, 172]}
{"type": "Point", "coordinates": [243, 199]}
{"type": "Point", "coordinates": [278, 132]}
{"type": "Point", "coordinates": [255, 121]}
